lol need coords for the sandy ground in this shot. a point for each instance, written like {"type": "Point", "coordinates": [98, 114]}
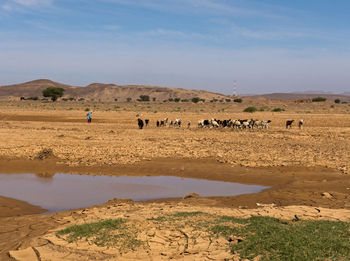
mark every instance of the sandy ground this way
{"type": "Point", "coordinates": [306, 169]}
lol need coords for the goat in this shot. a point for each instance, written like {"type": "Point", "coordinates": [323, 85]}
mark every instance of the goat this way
{"type": "Point", "coordinates": [301, 122]}
{"type": "Point", "coordinates": [289, 124]}
{"type": "Point", "coordinates": [177, 122]}
{"type": "Point", "coordinates": [140, 123]}
{"type": "Point", "coordinates": [265, 124]}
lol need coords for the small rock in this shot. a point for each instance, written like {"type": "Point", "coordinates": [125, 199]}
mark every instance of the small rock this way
{"type": "Point", "coordinates": [327, 195]}
{"type": "Point", "coordinates": [234, 239]}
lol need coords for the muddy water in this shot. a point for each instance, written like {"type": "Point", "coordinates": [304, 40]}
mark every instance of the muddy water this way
{"type": "Point", "coordinates": [61, 192]}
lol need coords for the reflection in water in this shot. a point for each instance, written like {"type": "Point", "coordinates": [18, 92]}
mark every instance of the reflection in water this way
{"type": "Point", "coordinates": [45, 175]}
{"type": "Point", "coordinates": [58, 192]}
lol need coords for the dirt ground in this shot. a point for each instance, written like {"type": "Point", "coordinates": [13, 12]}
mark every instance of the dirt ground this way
{"type": "Point", "coordinates": [306, 170]}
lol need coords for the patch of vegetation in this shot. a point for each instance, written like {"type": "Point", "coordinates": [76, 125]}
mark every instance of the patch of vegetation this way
{"type": "Point", "coordinates": [177, 99]}
{"type": "Point", "coordinates": [277, 109]}
{"type": "Point", "coordinates": [228, 100]}
{"type": "Point", "coordinates": [272, 238]}
{"type": "Point", "coordinates": [239, 100]}
{"type": "Point", "coordinates": [250, 109]}
{"type": "Point", "coordinates": [53, 93]}
{"type": "Point", "coordinates": [128, 99]}
{"type": "Point", "coordinates": [110, 232]}
{"type": "Point", "coordinates": [195, 99]}
{"type": "Point", "coordinates": [44, 154]}
{"type": "Point", "coordinates": [187, 214]}
{"type": "Point", "coordinates": [337, 101]}
{"type": "Point", "coordinates": [144, 98]}
{"type": "Point", "coordinates": [184, 100]}
{"type": "Point", "coordinates": [87, 109]}
{"type": "Point", "coordinates": [319, 99]}
{"type": "Point", "coordinates": [278, 240]}
{"type": "Point", "coordinates": [261, 109]}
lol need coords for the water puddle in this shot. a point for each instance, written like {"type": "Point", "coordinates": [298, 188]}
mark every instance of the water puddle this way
{"type": "Point", "coordinates": [61, 192]}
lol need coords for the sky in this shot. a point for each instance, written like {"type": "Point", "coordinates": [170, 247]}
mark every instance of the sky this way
{"type": "Point", "coordinates": [265, 45]}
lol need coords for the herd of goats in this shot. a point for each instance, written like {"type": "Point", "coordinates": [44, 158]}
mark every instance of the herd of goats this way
{"type": "Point", "coordinates": [214, 123]}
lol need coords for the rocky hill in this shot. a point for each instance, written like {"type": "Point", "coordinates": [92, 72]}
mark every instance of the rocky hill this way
{"type": "Point", "coordinates": [104, 92]}
{"type": "Point", "coordinates": [302, 96]}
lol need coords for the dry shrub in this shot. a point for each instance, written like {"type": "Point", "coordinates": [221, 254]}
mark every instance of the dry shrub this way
{"type": "Point", "coordinates": [44, 154]}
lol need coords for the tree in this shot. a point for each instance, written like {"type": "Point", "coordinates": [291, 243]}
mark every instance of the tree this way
{"type": "Point", "coordinates": [319, 99]}
{"type": "Point", "coordinates": [337, 100]}
{"type": "Point", "coordinates": [53, 92]}
{"type": "Point", "coordinates": [144, 98]}
{"type": "Point", "coordinates": [250, 109]}
{"type": "Point", "coordinates": [195, 99]}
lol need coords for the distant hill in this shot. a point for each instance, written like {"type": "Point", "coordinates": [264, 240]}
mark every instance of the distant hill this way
{"type": "Point", "coordinates": [299, 96]}
{"type": "Point", "coordinates": [104, 92]}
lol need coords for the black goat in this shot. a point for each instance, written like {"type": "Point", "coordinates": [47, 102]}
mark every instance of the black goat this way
{"type": "Point", "coordinates": [289, 124]}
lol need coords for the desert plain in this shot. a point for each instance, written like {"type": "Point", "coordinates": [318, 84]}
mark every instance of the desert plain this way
{"type": "Point", "coordinates": [307, 171]}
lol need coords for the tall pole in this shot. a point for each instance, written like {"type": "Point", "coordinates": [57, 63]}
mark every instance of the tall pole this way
{"type": "Point", "coordinates": [235, 88]}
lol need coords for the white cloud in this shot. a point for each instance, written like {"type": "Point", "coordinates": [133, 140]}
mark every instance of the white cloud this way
{"type": "Point", "coordinates": [32, 2]}
{"type": "Point", "coordinates": [194, 6]}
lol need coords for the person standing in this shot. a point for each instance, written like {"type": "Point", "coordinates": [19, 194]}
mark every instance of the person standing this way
{"type": "Point", "coordinates": [88, 116]}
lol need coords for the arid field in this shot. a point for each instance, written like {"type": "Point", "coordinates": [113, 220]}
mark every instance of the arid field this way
{"type": "Point", "coordinates": [306, 169]}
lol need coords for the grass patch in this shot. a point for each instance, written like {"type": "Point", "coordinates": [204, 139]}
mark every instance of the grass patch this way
{"type": "Point", "coordinates": [110, 232]}
{"type": "Point", "coordinates": [277, 109]}
{"type": "Point", "coordinates": [271, 238]}
{"type": "Point", "coordinates": [250, 109]}
{"type": "Point", "coordinates": [187, 214]}
{"type": "Point", "coordinates": [277, 240]}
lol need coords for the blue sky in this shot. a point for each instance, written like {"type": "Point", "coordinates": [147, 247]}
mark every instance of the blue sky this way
{"type": "Point", "coordinates": [266, 46]}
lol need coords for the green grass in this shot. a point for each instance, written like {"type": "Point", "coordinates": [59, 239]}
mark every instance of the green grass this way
{"type": "Point", "coordinates": [250, 109]}
{"type": "Point", "coordinates": [187, 214]}
{"type": "Point", "coordinates": [279, 240]}
{"type": "Point", "coordinates": [110, 232]}
{"type": "Point", "coordinates": [271, 238]}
